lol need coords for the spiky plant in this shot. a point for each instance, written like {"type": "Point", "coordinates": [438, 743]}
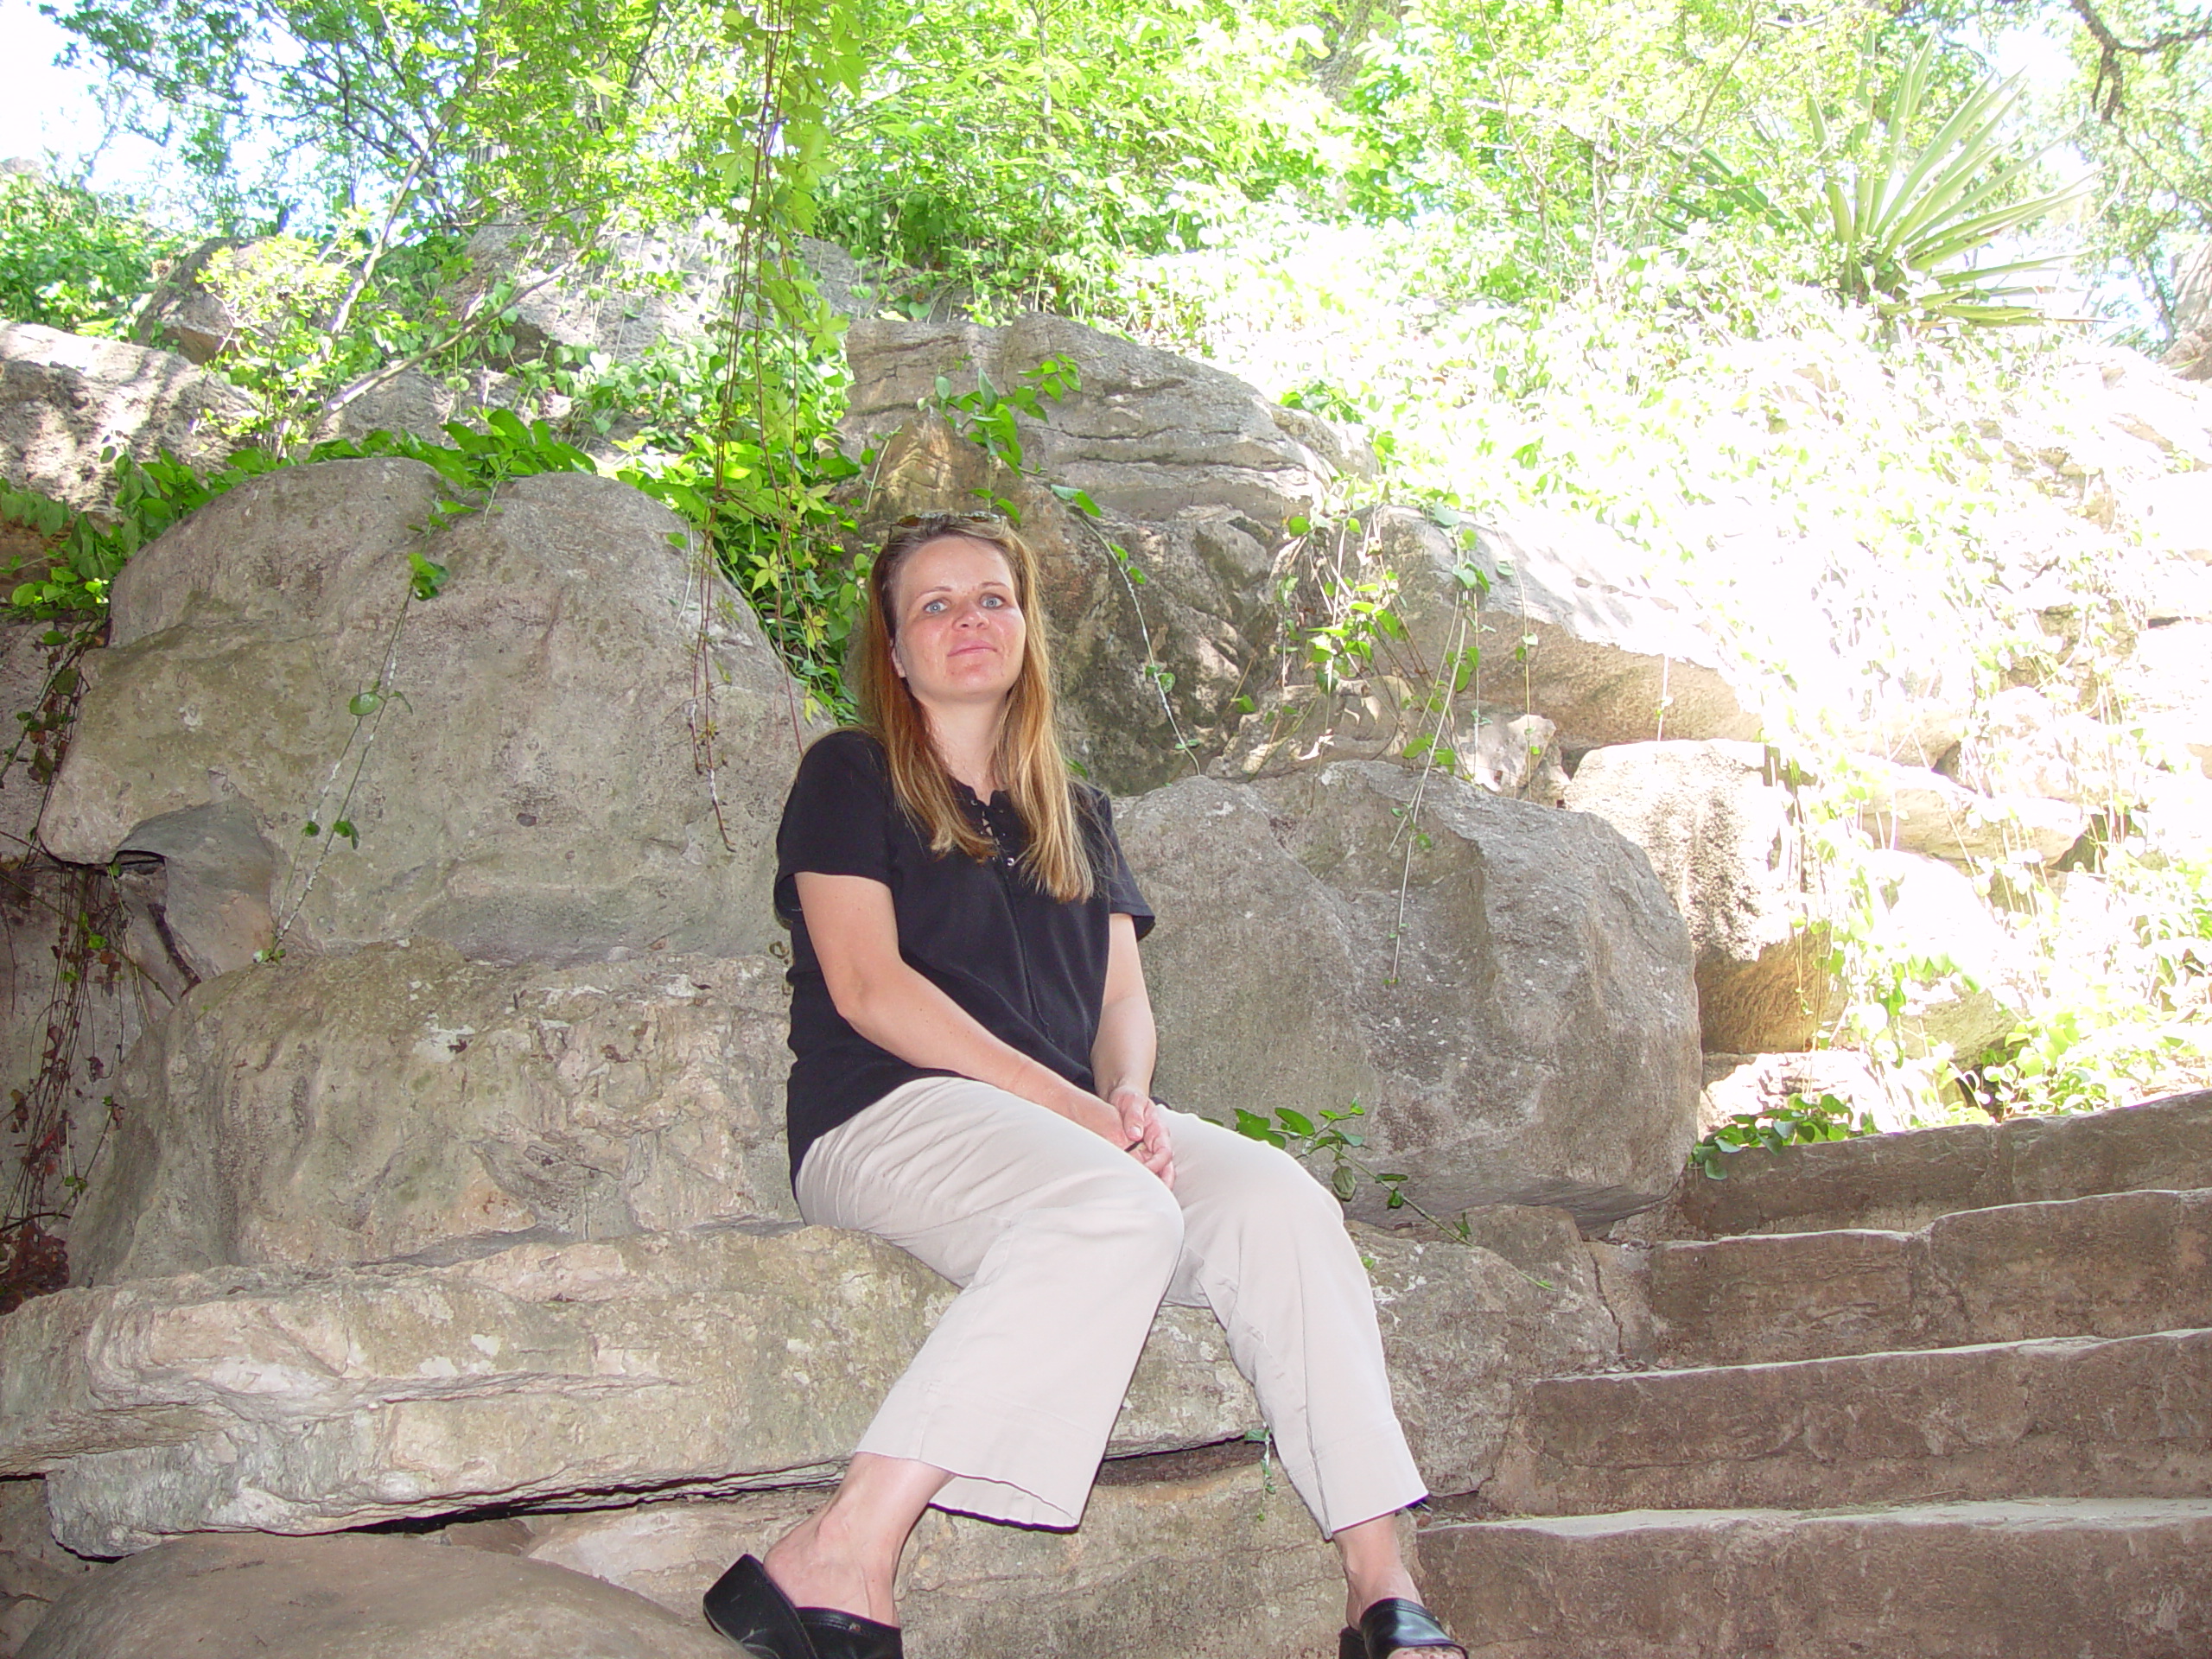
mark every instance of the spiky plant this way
{"type": "Point", "coordinates": [1904, 221]}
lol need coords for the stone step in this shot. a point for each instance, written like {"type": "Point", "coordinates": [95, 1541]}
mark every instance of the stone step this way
{"type": "Point", "coordinates": [2118, 1265]}
{"type": "Point", "coordinates": [2006, 1580]}
{"type": "Point", "coordinates": [2081, 1417]}
{"type": "Point", "coordinates": [1904, 1181]}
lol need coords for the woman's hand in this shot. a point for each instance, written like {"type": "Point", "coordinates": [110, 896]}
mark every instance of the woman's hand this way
{"type": "Point", "coordinates": [1145, 1132]}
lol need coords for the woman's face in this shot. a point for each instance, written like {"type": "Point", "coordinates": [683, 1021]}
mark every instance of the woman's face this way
{"type": "Point", "coordinates": [959, 634]}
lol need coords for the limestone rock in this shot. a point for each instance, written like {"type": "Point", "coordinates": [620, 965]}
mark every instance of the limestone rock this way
{"type": "Point", "coordinates": [35, 1571]}
{"type": "Point", "coordinates": [526, 791]}
{"type": "Point", "coordinates": [1504, 987]}
{"type": "Point", "coordinates": [1150, 435]}
{"type": "Point", "coordinates": [26, 667]}
{"type": "Point", "coordinates": [183, 314]}
{"type": "Point", "coordinates": [1572, 627]}
{"type": "Point", "coordinates": [1738, 1084]}
{"type": "Point", "coordinates": [2031, 1579]}
{"type": "Point", "coordinates": [1914, 810]}
{"type": "Point", "coordinates": [1904, 1181]}
{"type": "Point", "coordinates": [646, 289]}
{"type": "Point", "coordinates": [641, 290]}
{"type": "Point", "coordinates": [1716, 825]}
{"type": "Point", "coordinates": [2175, 509]}
{"type": "Point", "coordinates": [1194, 477]}
{"type": "Point", "coordinates": [1927, 911]}
{"type": "Point", "coordinates": [1466, 1331]}
{"type": "Point", "coordinates": [71, 1015]}
{"type": "Point", "coordinates": [323, 1112]}
{"type": "Point", "coordinates": [1218, 1559]}
{"type": "Point", "coordinates": [366, 1597]}
{"type": "Point", "coordinates": [1198, 593]}
{"type": "Point", "coordinates": [1575, 646]}
{"type": "Point", "coordinates": [298, 1401]}
{"type": "Point", "coordinates": [64, 398]}
{"type": "Point", "coordinates": [733, 1358]}
{"type": "Point", "coordinates": [2024, 744]}
{"type": "Point", "coordinates": [2167, 684]}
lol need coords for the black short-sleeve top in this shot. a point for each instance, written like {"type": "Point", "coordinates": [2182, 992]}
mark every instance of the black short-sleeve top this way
{"type": "Point", "coordinates": [1031, 968]}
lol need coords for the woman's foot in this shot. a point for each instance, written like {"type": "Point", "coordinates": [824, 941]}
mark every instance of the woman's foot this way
{"type": "Point", "coordinates": [816, 1566]}
{"type": "Point", "coordinates": [1375, 1572]}
{"type": "Point", "coordinates": [845, 1555]}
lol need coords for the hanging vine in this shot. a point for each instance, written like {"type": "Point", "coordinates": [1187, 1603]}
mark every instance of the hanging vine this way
{"type": "Point", "coordinates": [767, 522]}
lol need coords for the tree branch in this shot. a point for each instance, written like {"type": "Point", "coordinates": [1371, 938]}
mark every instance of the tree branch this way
{"type": "Point", "coordinates": [2110, 93]}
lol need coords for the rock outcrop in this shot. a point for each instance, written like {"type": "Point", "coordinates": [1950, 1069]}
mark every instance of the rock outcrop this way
{"type": "Point", "coordinates": [1504, 989]}
{"type": "Point", "coordinates": [526, 788]}
{"type": "Point", "coordinates": [1195, 480]}
{"type": "Point", "coordinates": [1717, 824]}
{"type": "Point", "coordinates": [315, 1114]}
{"type": "Point", "coordinates": [1218, 1559]}
{"type": "Point", "coordinates": [64, 399]}
{"type": "Point", "coordinates": [366, 1597]}
{"type": "Point", "coordinates": [724, 1359]}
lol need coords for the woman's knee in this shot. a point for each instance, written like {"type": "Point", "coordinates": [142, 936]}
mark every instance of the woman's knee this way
{"type": "Point", "coordinates": [1129, 1210]}
{"type": "Point", "coordinates": [1278, 1197]}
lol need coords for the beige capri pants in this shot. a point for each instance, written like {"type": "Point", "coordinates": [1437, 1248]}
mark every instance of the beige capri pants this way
{"type": "Point", "coordinates": [1064, 1248]}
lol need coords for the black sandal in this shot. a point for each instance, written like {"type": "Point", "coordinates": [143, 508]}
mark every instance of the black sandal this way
{"type": "Point", "coordinates": [747, 1607]}
{"type": "Point", "coordinates": [1391, 1623]}
{"type": "Point", "coordinates": [838, 1635]}
{"type": "Point", "coordinates": [750, 1608]}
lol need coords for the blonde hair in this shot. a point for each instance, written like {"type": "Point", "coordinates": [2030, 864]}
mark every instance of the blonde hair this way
{"type": "Point", "coordinates": [1027, 758]}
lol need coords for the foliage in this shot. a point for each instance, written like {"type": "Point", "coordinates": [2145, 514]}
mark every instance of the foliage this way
{"type": "Point", "coordinates": [1801, 1121]}
{"type": "Point", "coordinates": [81, 553]}
{"type": "Point", "coordinates": [453, 113]}
{"type": "Point", "coordinates": [71, 258]}
{"type": "Point", "coordinates": [1900, 216]}
{"type": "Point", "coordinates": [1016, 149]}
{"type": "Point", "coordinates": [1298, 1135]}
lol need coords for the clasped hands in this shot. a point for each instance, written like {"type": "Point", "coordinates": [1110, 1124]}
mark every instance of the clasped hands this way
{"type": "Point", "coordinates": [1144, 1131]}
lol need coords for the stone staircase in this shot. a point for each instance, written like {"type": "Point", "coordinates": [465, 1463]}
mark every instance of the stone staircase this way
{"type": "Point", "coordinates": [1945, 1393]}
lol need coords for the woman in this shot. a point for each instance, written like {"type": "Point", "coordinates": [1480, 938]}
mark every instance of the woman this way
{"type": "Point", "coordinates": [973, 1082]}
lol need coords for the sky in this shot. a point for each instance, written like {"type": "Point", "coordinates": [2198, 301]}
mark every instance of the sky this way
{"type": "Point", "coordinates": [52, 109]}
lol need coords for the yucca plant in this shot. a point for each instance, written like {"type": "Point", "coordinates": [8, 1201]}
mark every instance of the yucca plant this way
{"type": "Point", "coordinates": [1903, 220]}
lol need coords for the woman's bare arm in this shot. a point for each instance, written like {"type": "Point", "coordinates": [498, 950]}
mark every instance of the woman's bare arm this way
{"type": "Point", "coordinates": [855, 932]}
{"type": "Point", "coordinates": [1123, 1055]}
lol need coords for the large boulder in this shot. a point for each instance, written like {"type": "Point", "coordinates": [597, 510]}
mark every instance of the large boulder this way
{"type": "Point", "coordinates": [1572, 624]}
{"type": "Point", "coordinates": [66, 400]}
{"type": "Point", "coordinates": [2025, 743]}
{"type": "Point", "coordinates": [1150, 435]}
{"type": "Point", "coordinates": [363, 1597]}
{"type": "Point", "coordinates": [1969, 981]}
{"type": "Point", "coordinates": [633, 291]}
{"type": "Point", "coordinates": [317, 1113]}
{"type": "Point", "coordinates": [2167, 684]}
{"type": "Point", "coordinates": [1504, 987]}
{"type": "Point", "coordinates": [1913, 808]}
{"type": "Point", "coordinates": [1187, 1564]}
{"type": "Point", "coordinates": [743, 1356]}
{"type": "Point", "coordinates": [292, 1401]}
{"type": "Point", "coordinates": [1718, 825]}
{"type": "Point", "coordinates": [35, 1571]}
{"type": "Point", "coordinates": [527, 788]}
{"type": "Point", "coordinates": [1195, 478]}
